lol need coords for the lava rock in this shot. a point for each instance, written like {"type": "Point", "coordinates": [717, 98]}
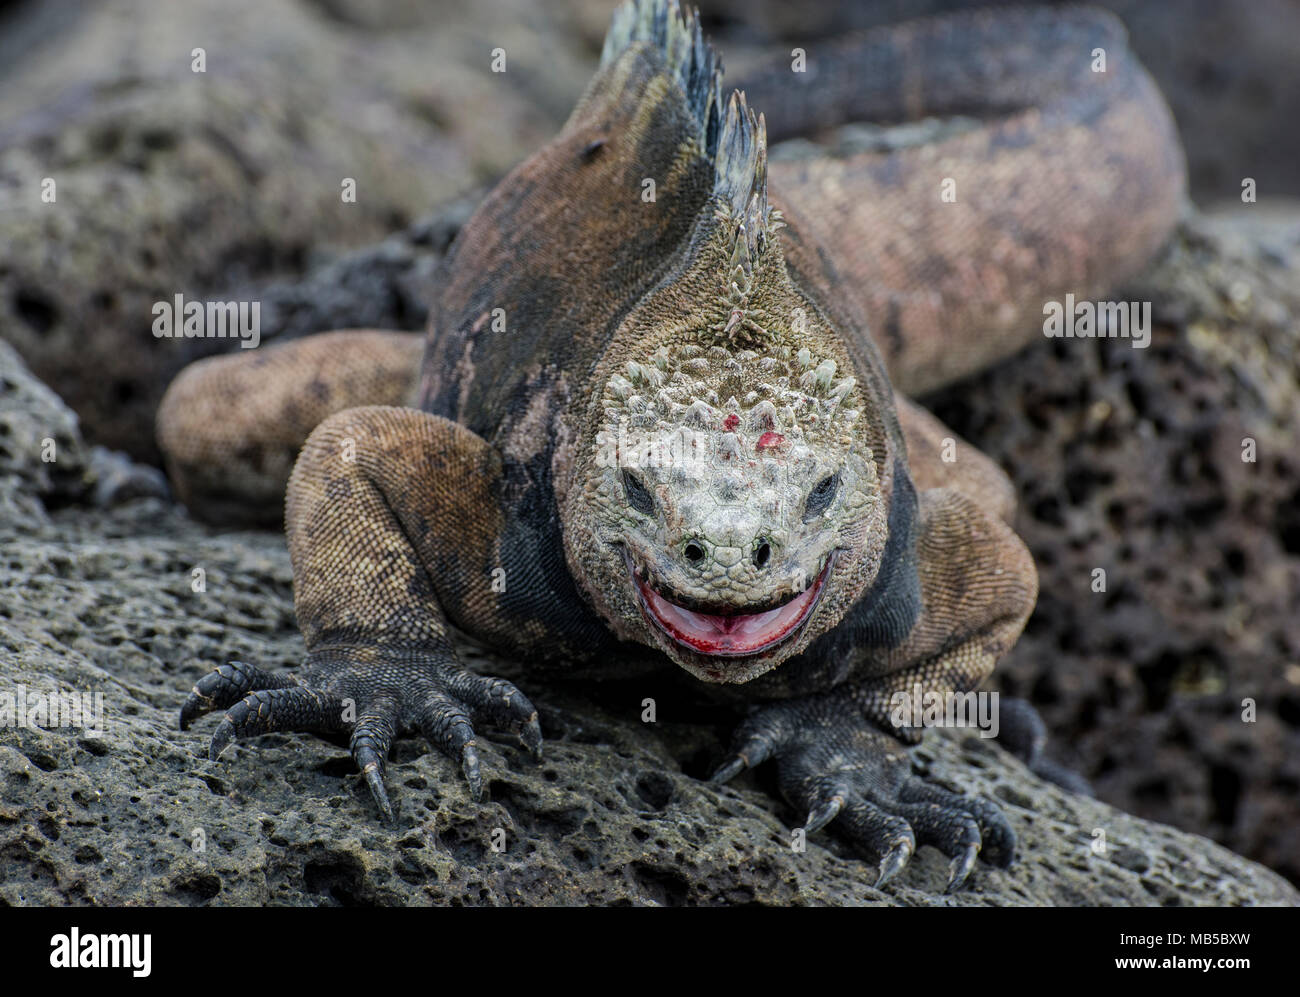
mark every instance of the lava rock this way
{"type": "Point", "coordinates": [133, 604]}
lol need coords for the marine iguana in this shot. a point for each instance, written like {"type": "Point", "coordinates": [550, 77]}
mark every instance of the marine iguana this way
{"type": "Point", "coordinates": [651, 425]}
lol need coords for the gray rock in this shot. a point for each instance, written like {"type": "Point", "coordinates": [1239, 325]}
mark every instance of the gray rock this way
{"type": "Point", "coordinates": [105, 603]}
{"type": "Point", "coordinates": [1132, 461]}
{"type": "Point", "coordinates": [214, 184]}
{"type": "Point", "coordinates": [42, 456]}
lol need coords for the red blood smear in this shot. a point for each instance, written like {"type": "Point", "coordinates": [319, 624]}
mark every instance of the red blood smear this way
{"type": "Point", "coordinates": [770, 440]}
{"type": "Point", "coordinates": [731, 422]}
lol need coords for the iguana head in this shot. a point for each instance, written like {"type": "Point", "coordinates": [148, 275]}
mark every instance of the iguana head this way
{"type": "Point", "coordinates": [734, 511]}
{"type": "Point", "coordinates": [726, 505]}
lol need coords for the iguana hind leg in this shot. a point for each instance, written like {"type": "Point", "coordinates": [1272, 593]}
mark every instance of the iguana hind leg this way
{"type": "Point", "coordinates": [396, 527]}
{"type": "Point", "coordinates": [231, 426]}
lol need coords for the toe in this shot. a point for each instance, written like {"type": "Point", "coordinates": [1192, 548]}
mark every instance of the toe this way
{"type": "Point", "coordinates": [881, 835]}
{"type": "Point", "coordinates": [953, 832]}
{"type": "Point", "coordinates": [470, 767]}
{"type": "Point", "coordinates": [225, 686]}
{"type": "Point", "coordinates": [960, 867]}
{"type": "Point", "coordinates": [895, 860]}
{"type": "Point", "coordinates": [372, 768]}
{"type": "Point", "coordinates": [821, 796]}
{"type": "Point", "coordinates": [998, 839]}
{"type": "Point", "coordinates": [763, 735]}
{"type": "Point", "coordinates": [446, 722]}
{"type": "Point", "coordinates": [279, 710]}
{"type": "Point", "coordinates": [824, 812]}
{"type": "Point", "coordinates": [498, 702]}
{"type": "Point", "coordinates": [371, 738]}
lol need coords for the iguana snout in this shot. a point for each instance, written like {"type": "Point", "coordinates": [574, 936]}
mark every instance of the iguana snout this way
{"type": "Point", "coordinates": [725, 562]}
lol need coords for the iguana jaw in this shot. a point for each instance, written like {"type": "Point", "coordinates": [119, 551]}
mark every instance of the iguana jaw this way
{"type": "Point", "coordinates": [727, 642]}
{"type": "Point", "coordinates": [731, 634]}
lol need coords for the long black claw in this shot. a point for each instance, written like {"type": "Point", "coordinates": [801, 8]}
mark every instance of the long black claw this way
{"type": "Point", "coordinates": [530, 736]}
{"type": "Point", "coordinates": [728, 770]}
{"type": "Point", "coordinates": [960, 868]}
{"type": "Point", "coordinates": [895, 860]}
{"type": "Point", "coordinates": [469, 765]}
{"type": "Point", "coordinates": [763, 735]}
{"type": "Point", "coordinates": [221, 739]}
{"type": "Point", "coordinates": [823, 814]}
{"type": "Point", "coordinates": [372, 767]}
{"type": "Point", "coordinates": [371, 738]}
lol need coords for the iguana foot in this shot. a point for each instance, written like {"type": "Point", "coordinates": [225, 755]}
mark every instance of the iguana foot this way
{"type": "Point", "coordinates": [373, 695]}
{"type": "Point", "coordinates": [834, 766]}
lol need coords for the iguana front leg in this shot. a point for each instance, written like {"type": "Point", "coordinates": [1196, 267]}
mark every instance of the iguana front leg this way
{"type": "Point", "coordinates": [395, 526]}
{"type": "Point", "coordinates": [834, 765]}
{"type": "Point", "coordinates": [840, 755]}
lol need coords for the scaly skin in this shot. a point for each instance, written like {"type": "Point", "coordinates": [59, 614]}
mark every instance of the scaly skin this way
{"type": "Point", "coordinates": [682, 446]}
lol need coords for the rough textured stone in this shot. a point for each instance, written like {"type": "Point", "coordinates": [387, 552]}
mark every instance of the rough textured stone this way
{"type": "Point", "coordinates": [616, 813]}
{"type": "Point", "coordinates": [34, 424]}
{"type": "Point", "coordinates": [1131, 461]}
{"type": "Point", "coordinates": [213, 184]}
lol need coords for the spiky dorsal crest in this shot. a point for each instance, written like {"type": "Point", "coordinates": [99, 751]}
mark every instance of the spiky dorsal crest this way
{"type": "Point", "coordinates": [731, 135]}
{"type": "Point", "coordinates": [680, 39]}
{"type": "Point", "coordinates": [740, 192]}
{"type": "Point", "coordinates": [740, 180]}
{"type": "Point", "coordinates": [734, 138]}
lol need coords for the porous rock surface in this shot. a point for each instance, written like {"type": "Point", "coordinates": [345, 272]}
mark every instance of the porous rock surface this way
{"type": "Point", "coordinates": [616, 813]}
{"type": "Point", "coordinates": [1177, 689]}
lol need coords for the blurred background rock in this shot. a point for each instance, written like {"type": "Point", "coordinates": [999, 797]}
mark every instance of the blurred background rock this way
{"type": "Point", "coordinates": [209, 184]}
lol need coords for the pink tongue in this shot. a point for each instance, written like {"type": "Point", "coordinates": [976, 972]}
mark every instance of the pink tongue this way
{"type": "Point", "coordinates": [728, 634]}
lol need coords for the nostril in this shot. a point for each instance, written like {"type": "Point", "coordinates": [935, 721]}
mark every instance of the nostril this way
{"type": "Point", "coordinates": [694, 552]}
{"type": "Point", "coordinates": [763, 553]}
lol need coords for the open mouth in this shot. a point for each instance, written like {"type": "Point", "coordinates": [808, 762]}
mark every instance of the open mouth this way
{"type": "Point", "coordinates": [732, 635]}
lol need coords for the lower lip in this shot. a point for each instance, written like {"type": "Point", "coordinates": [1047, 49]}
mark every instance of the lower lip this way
{"type": "Point", "coordinates": [731, 636]}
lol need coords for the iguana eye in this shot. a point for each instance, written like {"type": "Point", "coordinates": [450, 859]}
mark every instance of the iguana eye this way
{"type": "Point", "coordinates": [638, 496]}
{"type": "Point", "coordinates": [820, 497]}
